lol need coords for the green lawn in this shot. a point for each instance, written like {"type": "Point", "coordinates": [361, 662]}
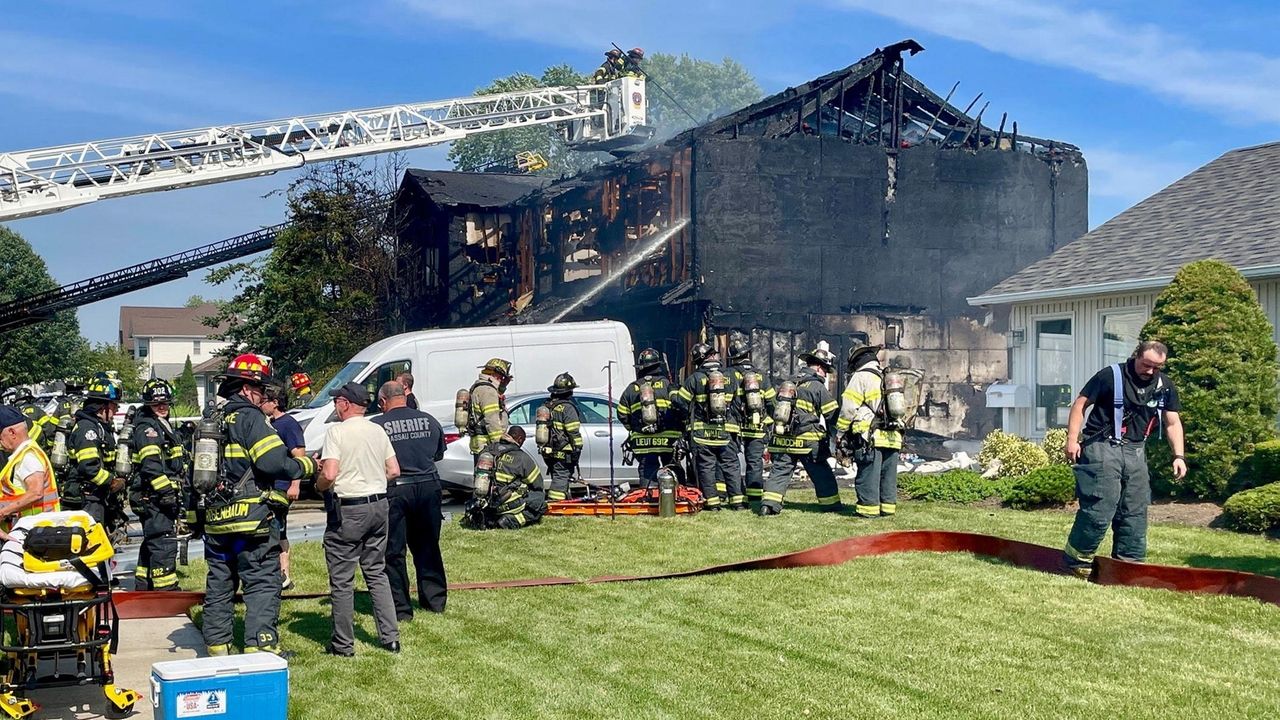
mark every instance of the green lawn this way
{"type": "Point", "coordinates": [909, 635]}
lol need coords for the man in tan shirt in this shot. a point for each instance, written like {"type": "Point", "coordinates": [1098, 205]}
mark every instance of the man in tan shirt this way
{"type": "Point", "coordinates": [358, 462]}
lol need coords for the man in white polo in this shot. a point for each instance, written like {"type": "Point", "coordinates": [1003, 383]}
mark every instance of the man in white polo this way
{"type": "Point", "coordinates": [358, 461]}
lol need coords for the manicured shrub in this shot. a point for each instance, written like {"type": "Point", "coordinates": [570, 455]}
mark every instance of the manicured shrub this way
{"type": "Point", "coordinates": [1256, 510]}
{"type": "Point", "coordinates": [1222, 359]}
{"type": "Point", "coordinates": [1051, 486]}
{"type": "Point", "coordinates": [953, 486]}
{"type": "Point", "coordinates": [1055, 446]}
{"type": "Point", "coordinates": [1262, 467]}
{"type": "Point", "coordinates": [1016, 455]}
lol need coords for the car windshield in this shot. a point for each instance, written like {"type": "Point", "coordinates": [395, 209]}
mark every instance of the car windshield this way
{"type": "Point", "coordinates": [344, 376]}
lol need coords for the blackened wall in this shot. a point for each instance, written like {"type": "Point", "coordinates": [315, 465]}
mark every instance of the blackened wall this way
{"type": "Point", "coordinates": [818, 225]}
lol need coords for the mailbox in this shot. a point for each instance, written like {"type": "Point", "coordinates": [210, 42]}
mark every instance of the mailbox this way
{"type": "Point", "coordinates": [1008, 395]}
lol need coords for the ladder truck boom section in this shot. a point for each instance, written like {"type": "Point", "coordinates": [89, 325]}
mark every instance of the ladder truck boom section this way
{"type": "Point", "coordinates": [36, 182]}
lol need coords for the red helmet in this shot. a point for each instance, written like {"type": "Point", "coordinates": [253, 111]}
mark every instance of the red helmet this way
{"type": "Point", "coordinates": [301, 383]}
{"type": "Point", "coordinates": [248, 366]}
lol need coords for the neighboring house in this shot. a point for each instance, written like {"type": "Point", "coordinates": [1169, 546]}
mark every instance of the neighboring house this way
{"type": "Point", "coordinates": [205, 372]}
{"type": "Point", "coordinates": [1083, 306]}
{"type": "Point", "coordinates": [163, 338]}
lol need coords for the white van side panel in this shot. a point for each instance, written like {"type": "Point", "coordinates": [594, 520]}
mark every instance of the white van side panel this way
{"type": "Point", "coordinates": [445, 369]}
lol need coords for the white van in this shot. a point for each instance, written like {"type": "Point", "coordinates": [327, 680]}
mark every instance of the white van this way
{"type": "Point", "coordinates": [442, 361]}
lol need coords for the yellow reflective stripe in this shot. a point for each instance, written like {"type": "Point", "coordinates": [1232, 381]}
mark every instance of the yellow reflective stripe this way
{"type": "Point", "coordinates": [85, 454]}
{"type": "Point", "coordinates": [236, 528]}
{"type": "Point", "coordinates": [534, 474]}
{"type": "Point", "coordinates": [804, 405]}
{"type": "Point", "coordinates": [505, 476]}
{"type": "Point", "coordinates": [572, 427]}
{"type": "Point", "coordinates": [265, 445]}
{"type": "Point", "coordinates": [101, 478]}
{"type": "Point", "coordinates": [842, 424]}
{"type": "Point", "coordinates": [164, 580]}
{"type": "Point", "coordinates": [660, 402]}
{"type": "Point", "coordinates": [888, 508]}
{"type": "Point", "coordinates": [754, 492]}
{"type": "Point", "coordinates": [872, 394]}
{"type": "Point", "coordinates": [829, 407]}
{"type": "Point", "coordinates": [721, 487]}
{"type": "Point", "coordinates": [175, 453]}
{"type": "Point", "coordinates": [828, 500]}
{"type": "Point", "coordinates": [161, 482]}
{"type": "Point", "coordinates": [148, 451]}
{"type": "Point", "coordinates": [1081, 556]}
{"type": "Point", "coordinates": [735, 499]}
{"type": "Point", "coordinates": [851, 395]}
{"type": "Point", "coordinates": [554, 495]}
{"type": "Point", "coordinates": [234, 451]}
{"type": "Point", "coordinates": [771, 496]}
{"type": "Point", "coordinates": [866, 509]}
{"type": "Point", "coordinates": [486, 409]}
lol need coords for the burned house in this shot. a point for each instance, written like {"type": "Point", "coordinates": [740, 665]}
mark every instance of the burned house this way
{"type": "Point", "coordinates": [860, 206]}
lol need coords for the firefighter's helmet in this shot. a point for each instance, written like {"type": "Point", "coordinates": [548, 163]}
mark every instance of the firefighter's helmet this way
{"type": "Point", "coordinates": [739, 349]}
{"type": "Point", "coordinates": [858, 355]}
{"type": "Point", "coordinates": [101, 387]}
{"type": "Point", "coordinates": [499, 367]}
{"type": "Point", "coordinates": [648, 359]}
{"type": "Point", "coordinates": [301, 383]}
{"type": "Point", "coordinates": [73, 385]}
{"type": "Point", "coordinates": [701, 352]}
{"type": "Point", "coordinates": [613, 53]}
{"type": "Point", "coordinates": [563, 385]}
{"type": "Point", "coordinates": [820, 356]}
{"type": "Point", "coordinates": [248, 367]}
{"type": "Point", "coordinates": [157, 391]}
{"type": "Point", "coordinates": [9, 396]}
{"type": "Point", "coordinates": [636, 53]}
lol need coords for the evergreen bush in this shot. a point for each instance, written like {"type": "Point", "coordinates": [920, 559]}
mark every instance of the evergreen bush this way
{"type": "Point", "coordinates": [1222, 359]}
{"type": "Point", "coordinates": [1050, 486]}
{"type": "Point", "coordinates": [1256, 510]}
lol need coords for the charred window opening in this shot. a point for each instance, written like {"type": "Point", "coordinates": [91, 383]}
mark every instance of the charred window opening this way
{"type": "Point", "coordinates": [893, 333]}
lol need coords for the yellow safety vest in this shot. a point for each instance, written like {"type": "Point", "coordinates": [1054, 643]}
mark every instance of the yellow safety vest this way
{"type": "Point", "coordinates": [10, 492]}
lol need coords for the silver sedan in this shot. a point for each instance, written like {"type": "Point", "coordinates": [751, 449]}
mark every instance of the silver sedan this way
{"type": "Point", "coordinates": [456, 468]}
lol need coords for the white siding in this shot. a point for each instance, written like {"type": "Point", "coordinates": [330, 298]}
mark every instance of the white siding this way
{"type": "Point", "coordinates": [1086, 316]}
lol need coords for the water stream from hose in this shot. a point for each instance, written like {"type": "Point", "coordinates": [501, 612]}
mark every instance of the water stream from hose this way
{"type": "Point", "coordinates": [624, 268]}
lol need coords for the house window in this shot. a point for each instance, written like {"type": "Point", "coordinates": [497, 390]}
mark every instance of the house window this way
{"type": "Point", "coordinates": [1055, 363]}
{"type": "Point", "coordinates": [1120, 334]}
{"type": "Point", "coordinates": [140, 346]}
{"type": "Point", "coordinates": [195, 347]}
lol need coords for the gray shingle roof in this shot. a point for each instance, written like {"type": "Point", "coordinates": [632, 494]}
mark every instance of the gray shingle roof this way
{"type": "Point", "coordinates": [450, 188]}
{"type": "Point", "coordinates": [1228, 210]}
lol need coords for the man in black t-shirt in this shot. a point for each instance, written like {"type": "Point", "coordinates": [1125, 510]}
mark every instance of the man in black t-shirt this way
{"type": "Point", "coordinates": [414, 514]}
{"type": "Point", "coordinates": [1112, 481]}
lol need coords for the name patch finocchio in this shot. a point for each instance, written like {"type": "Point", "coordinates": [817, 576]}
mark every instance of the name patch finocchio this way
{"type": "Point", "coordinates": [407, 429]}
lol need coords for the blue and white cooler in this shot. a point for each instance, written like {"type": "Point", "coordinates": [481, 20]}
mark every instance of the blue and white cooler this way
{"type": "Point", "coordinates": [254, 686]}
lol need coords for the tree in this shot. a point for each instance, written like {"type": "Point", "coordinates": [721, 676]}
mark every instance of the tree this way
{"type": "Point", "coordinates": [327, 288]}
{"type": "Point", "coordinates": [184, 387]}
{"type": "Point", "coordinates": [109, 356]}
{"type": "Point", "coordinates": [1222, 359]}
{"type": "Point", "coordinates": [500, 148]}
{"type": "Point", "coordinates": [44, 351]}
{"type": "Point", "coordinates": [705, 89]}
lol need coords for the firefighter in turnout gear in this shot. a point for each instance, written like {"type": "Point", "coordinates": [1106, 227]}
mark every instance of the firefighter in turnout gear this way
{"type": "Point", "coordinates": [90, 480]}
{"type": "Point", "coordinates": [487, 412]}
{"type": "Point", "coordinates": [753, 405]}
{"type": "Point", "coordinates": [863, 426]}
{"type": "Point", "coordinates": [242, 532]}
{"type": "Point", "coordinates": [801, 406]}
{"type": "Point", "coordinates": [154, 489]}
{"type": "Point", "coordinates": [706, 399]}
{"type": "Point", "coordinates": [40, 425]}
{"type": "Point", "coordinates": [508, 492]}
{"type": "Point", "coordinates": [645, 410]}
{"type": "Point", "coordinates": [613, 67]}
{"type": "Point", "coordinates": [559, 435]}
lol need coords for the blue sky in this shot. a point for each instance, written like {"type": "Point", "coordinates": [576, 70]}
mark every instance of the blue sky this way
{"type": "Point", "coordinates": [1149, 90]}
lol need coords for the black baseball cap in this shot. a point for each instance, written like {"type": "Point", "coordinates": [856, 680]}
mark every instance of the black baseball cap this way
{"type": "Point", "coordinates": [353, 392]}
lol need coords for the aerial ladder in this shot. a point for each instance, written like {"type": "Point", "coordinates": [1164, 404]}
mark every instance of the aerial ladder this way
{"type": "Point", "coordinates": [610, 116]}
